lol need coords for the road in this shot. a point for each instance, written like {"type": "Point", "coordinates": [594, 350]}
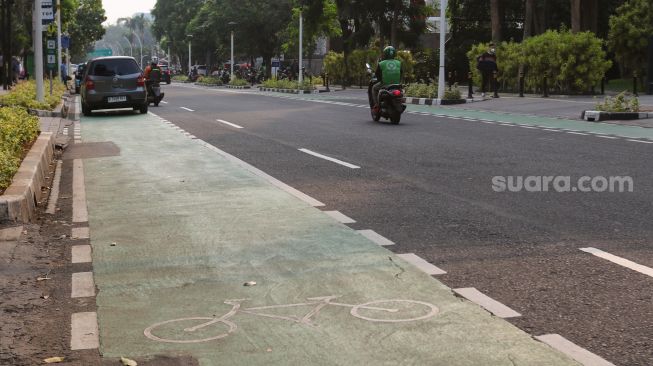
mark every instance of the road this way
{"type": "Point", "coordinates": [426, 184]}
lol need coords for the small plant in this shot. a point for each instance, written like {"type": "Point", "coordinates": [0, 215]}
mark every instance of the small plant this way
{"type": "Point", "coordinates": [17, 130]}
{"type": "Point", "coordinates": [238, 82]}
{"type": "Point", "coordinates": [24, 95]}
{"type": "Point", "coordinates": [421, 90]}
{"type": "Point", "coordinates": [623, 102]}
{"type": "Point", "coordinates": [288, 84]}
{"type": "Point", "coordinates": [453, 93]}
{"type": "Point", "coordinates": [209, 80]}
{"type": "Point", "coordinates": [180, 78]}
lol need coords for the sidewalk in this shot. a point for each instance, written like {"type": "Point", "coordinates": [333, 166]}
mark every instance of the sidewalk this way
{"type": "Point", "coordinates": [178, 227]}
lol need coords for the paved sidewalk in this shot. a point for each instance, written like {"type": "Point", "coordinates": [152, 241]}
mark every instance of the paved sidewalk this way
{"type": "Point", "coordinates": [177, 228]}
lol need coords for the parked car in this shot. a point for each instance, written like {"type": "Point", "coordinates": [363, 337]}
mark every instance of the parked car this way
{"type": "Point", "coordinates": [202, 70]}
{"type": "Point", "coordinates": [79, 75]}
{"type": "Point", "coordinates": [113, 82]}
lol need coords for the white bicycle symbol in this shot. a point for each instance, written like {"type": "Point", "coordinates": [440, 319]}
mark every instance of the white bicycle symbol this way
{"type": "Point", "coordinates": [371, 311]}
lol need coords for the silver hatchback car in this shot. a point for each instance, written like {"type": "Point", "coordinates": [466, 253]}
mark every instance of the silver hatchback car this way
{"type": "Point", "coordinates": [113, 82]}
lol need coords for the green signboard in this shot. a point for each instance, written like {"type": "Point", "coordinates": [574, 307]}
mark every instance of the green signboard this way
{"type": "Point", "coordinates": [100, 52]}
{"type": "Point", "coordinates": [51, 53]}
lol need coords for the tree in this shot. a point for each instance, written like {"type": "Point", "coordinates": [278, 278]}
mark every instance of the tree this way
{"type": "Point", "coordinates": [496, 17]}
{"type": "Point", "coordinates": [171, 17]}
{"type": "Point", "coordinates": [320, 20]}
{"type": "Point", "coordinates": [87, 27]}
{"type": "Point", "coordinates": [584, 15]}
{"type": "Point", "coordinates": [630, 28]}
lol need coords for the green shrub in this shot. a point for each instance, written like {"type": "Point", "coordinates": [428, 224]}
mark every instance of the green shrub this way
{"type": "Point", "coordinates": [453, 93]}
{"type": "Point", "coordinates": [623, 102]}
{"type": "Point", "coordinates": [24, 95]}
{"type": "Point", "coordinates": [574, 62]}
{"type": "Point", "coordinates": [288, 84]}
{"type": "Point", "coordinates": [238, 82]}
{"type": "Point", "coordinates": [334, 65]}
{"type": "Point", "coordinates": [181, 78]}
{"type": "Point", "coordinates": [420, 90]}
{"type": "Point", "coordinates": [209, 80]}
{"type": "Point", "coordinates": [17, 130]}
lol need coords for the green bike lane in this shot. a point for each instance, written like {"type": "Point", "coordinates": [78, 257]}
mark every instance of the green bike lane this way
{"type": "Point", "coordinates": [177, 229]}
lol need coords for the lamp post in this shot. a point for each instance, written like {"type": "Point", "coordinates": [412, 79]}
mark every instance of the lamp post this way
{"type": "Point", "coordinates": [59, 38]}
{"type": "Point", "coordinates": [301, 42]}
{"type": "Point", "coordinates": [443, 33]}
{"type": "Point", "coordinates": [232, 25]}
{"type": "Point", "coordinates": [38, 51]}
{"type": "Point", "coordinates": [131, 49]}
{"type": "Point", "coordinates": [190, 65]}
{"type": "Point", "coordinates": [141, 45]}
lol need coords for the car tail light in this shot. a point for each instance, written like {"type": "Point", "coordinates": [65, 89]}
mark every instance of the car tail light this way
{"type": "Point", "coordinates": [396, 93]}
{"type": "Point", "coordinates": [90, 85]}
{"type": "Point", "coordinates": [140, 81]}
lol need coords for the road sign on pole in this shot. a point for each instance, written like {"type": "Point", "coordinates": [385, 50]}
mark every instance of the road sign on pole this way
{"type": "Point", "coordinates": [47, 12]}
{"type": "Point", "coordinates": [51, 52]}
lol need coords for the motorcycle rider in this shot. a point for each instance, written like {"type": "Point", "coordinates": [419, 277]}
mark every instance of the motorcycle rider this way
{"type": "Point", "coordinates": [152, 74]}
{"type": "Point", "coordinates": [388, 72]}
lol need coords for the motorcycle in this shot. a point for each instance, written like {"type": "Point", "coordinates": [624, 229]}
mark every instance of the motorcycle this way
{"type": "Point", "coordinates": [390, 100]}
{"type": "Point", "coordinates": [154, 94]}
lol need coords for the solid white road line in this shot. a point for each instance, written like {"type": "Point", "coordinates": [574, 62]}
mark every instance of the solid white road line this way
{"type": "Point", "coordinates": [229, 123]}
{"type": "Point", "coordinates": [80, 211]}
{"type": "Point", "coordinates": [83, 285]}
{"type": "Point", "coordinates": [581, 355]}
{"type": "Point", "coordinates": [54, 193]}
{"type": "Point", "coordinates": [81, 254]}
{"type": "Point", "coordinates": [620, 261]}
{"type": "Point", "coordinates": [642, 141]}
{"type": "Point", "coordinates": [340, 217]}
{"type": "Point", "coordinates": [84, 332]}
{"type": "Point", "coordinates": [577, 133]}
{"type": "Point", "coordinates": [164, 102]}
{"type": "Point", "coordinates": [421, 264]}
{"type": "Point", "coordinates": [80, 233]}
{"type": "Point", "coordinates": [352, 166]}
{"type": "Point", "coordinates": [486, 302]}
{"type": "Point", "coordinates": [187, 109]}
{"type": "Point", "coordinates": [606, 137]}
{"type": "Point", "coordinates": [376, 237]}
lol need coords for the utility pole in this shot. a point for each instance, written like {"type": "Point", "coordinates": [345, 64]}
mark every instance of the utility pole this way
{"type": "Point", "coordinates": [38, 50]}
{"type": "Point", "coordinates": [190, 64]}
{"type": "Point", "coordinates": [59, 38]}
{"type": "Point", "coordinates": [301, 41]}
{"type": "Point", "coordinates": [443, 33]}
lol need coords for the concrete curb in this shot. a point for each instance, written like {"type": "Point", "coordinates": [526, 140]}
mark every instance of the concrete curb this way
{"type": "Point", "coordinates": [18, 203]}
{"type": "Point", "coordinates": [426, 101]}
{"type": "Point", "coordinates": [596, 116]}
{"type": "Point", "coordinates": [60, 111]}
{"type": "Point", "coordinates": [207, 85]}
{"type": "Point", "coordinates": [238, 87]}
{"type": "Point", "coordinates": [288, 91]}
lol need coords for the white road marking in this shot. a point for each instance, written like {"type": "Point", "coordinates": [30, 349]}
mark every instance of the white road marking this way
{"type": "Point", "coordinates": [187, 109]}
{"type": "Point", "coordinates": [84, 332]}
{"type": "Point", "coordinates": [229, 123]}
{"type": "Point", "coordinates": [421, 264]}
{"type": "Point", "coordinates": [642, 141]}
{"type": "Point", "coordinates": [620, 261]}
{"type": "Point", "coordinates": [352, 166]}
{"type": "Point", "coordinates": [164, 102]}
{"type": "Point", "coordinates": [531, 127]}
{"type": "Point", "coordinates": [551, 130]}
{"type": "Point", "coordinates": [488, 122]}
{"type": "Point", "coordinates": [80, 211]}
{"type": "Point", "coordinates": [83, 285]}
{"type": "Point", "coordinates": [80, 233]}
{"type": "Point", "coordinates": [486, 302]}
{"type": "Point", "coordinates": [81, 254]}
{"type": "Point", "coordinates": [607, 137]}
{"type": "Point", "coordinates": [376, 237]}
{"type": "Point", "coordinates": [577, 133]}
{"type": "Point", "coordinates": [581, 355]}
{"type": "Point", "coordinates": [54, 193]}
{"type": "Point", "coordinates": [340, 217]}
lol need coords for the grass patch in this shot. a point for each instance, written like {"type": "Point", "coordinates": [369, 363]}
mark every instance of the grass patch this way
{"type": "Point", "coordinates": [24, 95]}
{"type": "Point", "coordinates": [18, 129]}
{"type": "Point", "coordinates": [288, 84]}
{"type": "Point", "coordinates": [209, 80]}
{"type": "Point", "coordinates": [238, 82]}
{"type": "Point", "coordinates": [181, 78]}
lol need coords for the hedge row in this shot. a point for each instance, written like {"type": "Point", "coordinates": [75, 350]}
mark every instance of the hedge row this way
{"type": "Point", "coordinates": [573, 62]}
{"type": "Point", "coordinates": [208, 80]}
{"type": "Point", "coordinates": [17, 130]}
{"type": "Point", "coordinates": [24, 95]}
{"type": "Point", "coordinates": [288, 84]}
{"type": "Point", "coordinates": [334, 65]}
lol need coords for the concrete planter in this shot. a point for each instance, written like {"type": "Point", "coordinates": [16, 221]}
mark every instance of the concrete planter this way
{"type": "Point", "coordinates": [18, 203]}
{"type": "Point", "coordinates": [596, 116]}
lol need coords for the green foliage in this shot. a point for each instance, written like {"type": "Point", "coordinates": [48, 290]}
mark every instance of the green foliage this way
{"type": "Point", "coordinates": [420, 90]}
{"type": "Point", "coordinates": [24, 95]}
{"type": "Point", "coordinates": [181, 78]}
{"type": "Point", "coordinates": [623, 102]}
{"type": "Point", "coordinates": [407, 65]}
{"type": "Point", "coordinates": [17, 130]}
{"type": "Point", "coordinates": [453, 93]}
{"type": "Point", "coordinates": [320, 20]}
{"type": "Point", "coordinates": [287, 84]}
{"type": "Point", "coordinates": [334, 64]}
{"type": "Point", "coordinates": [427, 62]}
{"type": "Point", "coordinates": [574, 62]}
{"type": "Point", "coordinates": [87, 27]}
{"type": "Point", "coordinates": [206, 80]}
{"type": "Point", "coordinates": [238, 82]}
{"type": "Point", "coordinates": [630, 28]}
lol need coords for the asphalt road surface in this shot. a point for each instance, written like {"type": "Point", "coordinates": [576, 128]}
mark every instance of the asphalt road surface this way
{"type": "Point", "coordinates": [426, 184]}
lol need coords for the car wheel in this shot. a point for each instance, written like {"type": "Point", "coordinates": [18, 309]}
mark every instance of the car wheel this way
{"type": "Point", "coordinates": [143, 109]}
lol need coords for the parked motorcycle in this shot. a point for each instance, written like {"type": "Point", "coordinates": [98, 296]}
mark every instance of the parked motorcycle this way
{"type": "Point", "coordinates": [390, 100]}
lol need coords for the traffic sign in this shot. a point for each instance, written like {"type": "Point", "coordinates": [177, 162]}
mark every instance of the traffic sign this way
{"type": "Point", "coordinates": [101, 52]}
{"type": "Point", "coordinates": [51, 50]}
{"type": "Point", "coordinates": [47, 12]}
{"type": "Point", "coordinates": [65, 42]}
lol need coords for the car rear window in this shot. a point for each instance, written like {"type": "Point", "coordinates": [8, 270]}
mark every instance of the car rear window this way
{"type": "Point", "coordinates": [115, 67]}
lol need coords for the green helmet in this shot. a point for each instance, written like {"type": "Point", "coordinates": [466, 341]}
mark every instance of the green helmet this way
{"type": "Point", "coordinates": [389, 53]}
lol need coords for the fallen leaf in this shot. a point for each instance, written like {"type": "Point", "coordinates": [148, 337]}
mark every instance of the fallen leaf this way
{"type": "Point", "coordinates": [128, 362]}
{"type": "Point", "coordinates": [53, 360]}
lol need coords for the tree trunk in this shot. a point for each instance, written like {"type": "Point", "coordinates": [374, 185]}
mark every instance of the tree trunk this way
{"type": "Point", "coordinates": [576, 15]}
{"type": "Point", "coordinates": [395, 24]}
{"type": "Point", "coordinates": [495, 14]}
{"type": "Point", "coordinates": [529, 18]}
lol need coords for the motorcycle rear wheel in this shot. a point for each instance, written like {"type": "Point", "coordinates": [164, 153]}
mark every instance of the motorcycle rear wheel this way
{"type": "Point", "coordinates": [375, 116]}
{"type": "Point", "coordinates": [395, 118]}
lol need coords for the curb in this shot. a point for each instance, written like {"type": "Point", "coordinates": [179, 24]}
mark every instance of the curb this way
{"type": "Point", "coordinates": [238, 87]}
{"type": "Point", "coordinates": [288, 91]}
{"type": "Point", "coordinates": [596, 116]}
{"type": "Point", "coordinates": [59, 111]}
{"type": "Point", "coordinates": [207, 85]}
{"type": "Point", "coordinates": [426, 101]}
{"type": "Point", "coordinates": [19, 201]}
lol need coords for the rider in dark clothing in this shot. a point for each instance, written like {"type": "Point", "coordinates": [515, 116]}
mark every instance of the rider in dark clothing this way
{"type": "Point", "coordinates": [487, 65]}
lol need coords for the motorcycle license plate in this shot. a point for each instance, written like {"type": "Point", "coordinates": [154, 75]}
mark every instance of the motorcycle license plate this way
{"type": "Point", "coordinates": [119, 99]}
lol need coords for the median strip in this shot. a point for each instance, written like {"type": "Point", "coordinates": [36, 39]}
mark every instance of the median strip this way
{"type": "Point", "coordinates": [620, 261]}
{"type": "Point", "coordinates": [334, 160]}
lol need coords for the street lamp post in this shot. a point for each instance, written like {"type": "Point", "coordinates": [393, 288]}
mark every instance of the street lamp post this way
{"type": "Point", "coordinates": [443, 33]}
{"type": "Point", "coordinates": [131, 49]}
{"type": "Point", "coordinates": [141, 46]}
{"type": "Point", "coordinates": [59, 38]}
{"type": "Point", "coordinates": [301, 43]}
{"type": "Point", "coordinates": [38, 51]}
{"type": "Point", "coordinates": [190, 38]}
{"type": "Point", "coordinates": [232, 25]}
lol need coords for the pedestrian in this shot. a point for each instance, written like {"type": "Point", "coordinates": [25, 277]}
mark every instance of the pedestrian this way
{"type": "Point", "coordinates": [15, 70]}
{"type": "Point", "coordinates": [487, 65]}
{"type": "Point", "coordinates": [64, 72]}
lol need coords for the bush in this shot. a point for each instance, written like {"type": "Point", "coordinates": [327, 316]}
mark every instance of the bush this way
{"type": "Point", "coordinates": [420, 90]}
{"type": "Point", "coordinates": [334, 65]}
{"type": "Point", "coordinates": [238, 82]}
{"type": "Point", "coordinates": [453, 93]}
{"type": "Point", "coordinates": [24, 95]}
{"type": "Point", "coordinates": [209, 80]}
{"type": "Point", "coordinates": [288, 84]}
{"type": "Point", "coordinates": [621, 103]}
{"type": "Point", "coordinates": [574, 62]}
{"type": "Point", "coordinates": [181, 78]}
{"type": "Point", "coordinates": [17, 130]}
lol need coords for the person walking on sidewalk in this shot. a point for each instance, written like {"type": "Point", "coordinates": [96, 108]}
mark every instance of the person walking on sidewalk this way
{"type": "Point", "coordinates": [487, 65]}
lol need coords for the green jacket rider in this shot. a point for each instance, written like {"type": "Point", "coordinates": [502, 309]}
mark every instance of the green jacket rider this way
{"type": "Point", "coordinates": [388, 72]}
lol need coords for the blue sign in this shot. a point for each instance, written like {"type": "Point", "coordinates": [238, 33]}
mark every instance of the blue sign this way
{"type": "Point", "coordinates": [65, 42]}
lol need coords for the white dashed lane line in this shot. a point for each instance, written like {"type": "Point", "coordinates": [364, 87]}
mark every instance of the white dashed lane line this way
{"type": "Point", "coordinates": [84, 332]}
{"type": "Point", "coordinates": [421, 264]}
{"type": "Point", "coordinates": [229, 123]}
{"type": "Point", "coordinates": [581, 355]}
{"type": "Point", "coordinates": [376, 237]}
{"type": "Point", "coordinates": [486, 302]}
{"type": "Point", "coordinates": [334, 160]}
{"type": "Point", "coordinates": [187, 109]}
{"type": "Point", "coordinates": [340, 217]}
{"type": "Point", "coordinates": [619, 260]}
